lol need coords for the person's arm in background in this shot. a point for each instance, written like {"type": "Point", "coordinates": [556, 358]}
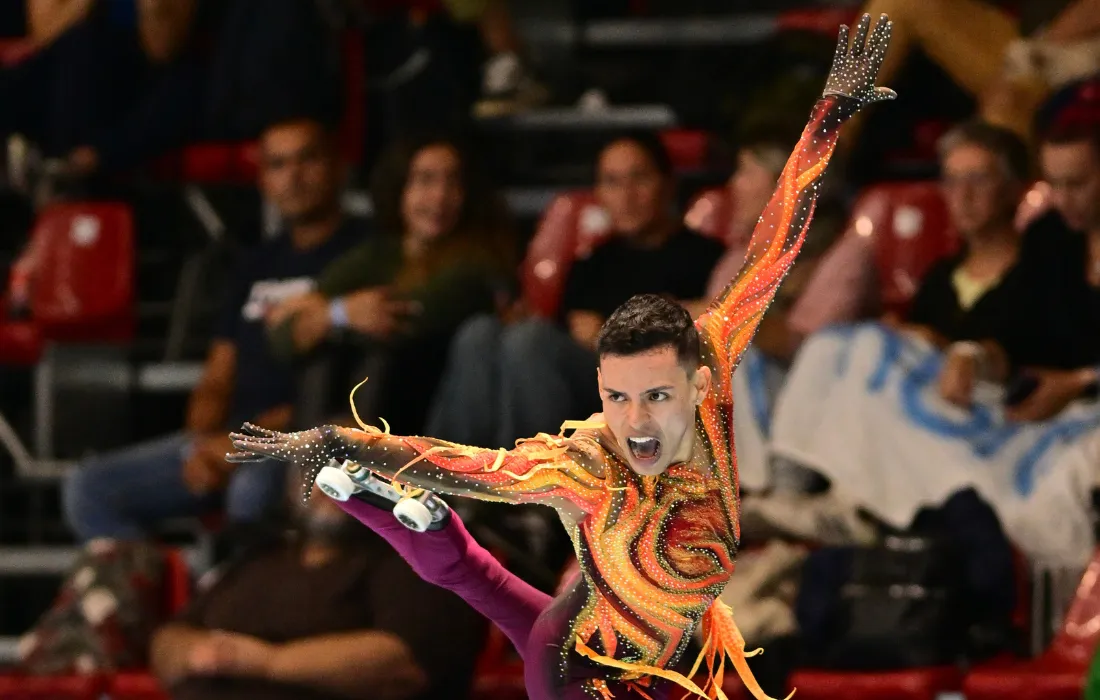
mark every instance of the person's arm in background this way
{"type": "Point", "coordinates": [300, 325]}
{"type": "Point", "coordinates": [208, 406]}
{"type": "Point", "coordinates": [582, 288]}
{"type": "Point", "coordinates": [49, 19]}
{"type": "Point", "coordinates": [422, 615]}
{"type": "Point", "coordinates": [365, 664]}
{"type": "Point", "coordinates": [1080, 20]}
{"type": "Point", "coordinates": [164, 27]}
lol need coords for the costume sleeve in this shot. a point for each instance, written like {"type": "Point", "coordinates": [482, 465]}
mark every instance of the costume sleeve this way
{"type": "Point", "coordinates": [545, 469]}
{"type": "Point", "coordinates": [564, 473]}
{"type": "Point", "coordinates": [732, 318]}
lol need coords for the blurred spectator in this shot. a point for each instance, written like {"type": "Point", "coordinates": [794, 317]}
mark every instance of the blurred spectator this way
{"type": "Point", "coordinates": [327, 611]}
{"type": "Point", "coordinates": [268, 57]}
{"type": "Point", "coordinates": [120, 494]}
{"type": "Point", "coordinates": [1068, 241]}
{"type": "Point", "coordinates": [969, 304]}
{"type": "Point", "coordinates": [1008, 55]}
{"type": "Point", "coordinates": [508, 380]}
{"type": "Point", "coordinates": [445, 253]}
{"type": "Point", "coordinates": [90, 66]}
{"type": "Point", "coordinates": [834, 278]}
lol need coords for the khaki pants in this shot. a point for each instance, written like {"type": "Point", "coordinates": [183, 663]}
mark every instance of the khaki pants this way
{"type": "Point", "coordinates": [982, 50]}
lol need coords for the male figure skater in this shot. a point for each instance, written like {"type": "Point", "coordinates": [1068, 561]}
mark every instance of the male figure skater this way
{"type": "Point", "coordinates": [648, 488]}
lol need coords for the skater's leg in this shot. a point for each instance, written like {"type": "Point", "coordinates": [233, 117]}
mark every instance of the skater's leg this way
{"type": "Point", "coordinates": [452, 559]}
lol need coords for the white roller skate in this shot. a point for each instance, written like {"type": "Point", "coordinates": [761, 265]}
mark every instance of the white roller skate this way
{"type": "Point", "coordinates": [419, 510]}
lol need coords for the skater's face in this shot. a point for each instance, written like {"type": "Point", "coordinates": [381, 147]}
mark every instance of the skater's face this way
{"type": "Point", "coordinates": [632, 189]}
{"type": "Point", "coordinates": [980, 194]}
{"type": "Point", "coordinates": [649, 404]}
{"type": "Point", "coordinates": [300, 172]}
{"type": "Point", "coordinates": [432, 201]}
{"type": "Point", "coordinates": [1073, 172]}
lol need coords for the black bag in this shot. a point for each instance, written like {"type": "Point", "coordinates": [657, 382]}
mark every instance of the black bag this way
{"type": "Point", "coordinates": [942, 591]}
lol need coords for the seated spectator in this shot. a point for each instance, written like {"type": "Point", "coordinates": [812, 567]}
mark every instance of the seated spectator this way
{"type": "Point", "coordinates": [328, 611]}
{"type": "Point", "coordinates": [1009, 58]}
{"type": "Point", "coordinates": [506, 380]}
{"type": "Point", "coordinates": [1066, 239]}
{"type": "Point", "coordinates": [90, 66]}
{"type": "Point", "coordinates": [970, 303]}
{"type": "Point", "coordinates": [444, 253]}
{"type": "Point", "coordinates": [895, 423]}
{"type": "Point", "coordinates": [833, 280]}
{"type": "Point", "coordinates": [122, 494]}
{"type": "Point", "coordinates": [257, 59]}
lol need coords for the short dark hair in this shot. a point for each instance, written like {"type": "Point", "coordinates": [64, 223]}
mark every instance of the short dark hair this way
{"type": "Point", "coordinates": [648, 322]}
{"type": "Point", "coordinates": [1003, 143]}
{"type": "Point", "coordinates": [651, 144]}
{"type": "Point", "coordinates": [1071, 132]}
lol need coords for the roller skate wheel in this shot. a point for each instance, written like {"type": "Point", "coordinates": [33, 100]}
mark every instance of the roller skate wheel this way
{"type": "Point", "coordinates": [336, 484]}
{"type": "Point", "coordinates": [413, 514]}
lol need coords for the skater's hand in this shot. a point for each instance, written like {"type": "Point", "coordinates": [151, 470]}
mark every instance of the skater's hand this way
{"type": "Point", "coordinates": [230, 654]}
{"type": "Point", "coordinates": [312, 449]}
{"type": "Point", "coordinates": [856, 66]}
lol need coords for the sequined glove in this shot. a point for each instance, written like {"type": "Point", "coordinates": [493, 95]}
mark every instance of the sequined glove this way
{"type": "Point", "coordinates": [856, 65]}
{"type": "Point", "coordinates": [310, 449]}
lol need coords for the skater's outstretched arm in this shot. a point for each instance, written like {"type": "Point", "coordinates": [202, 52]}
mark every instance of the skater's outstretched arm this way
{"type": "Point", "coordinates": [731, 320]}
{"type": "Point", "coordinates": [563, 473]}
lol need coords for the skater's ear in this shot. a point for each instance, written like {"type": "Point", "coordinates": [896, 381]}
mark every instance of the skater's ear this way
{"type": "Point", "coordinates": [700, 383]}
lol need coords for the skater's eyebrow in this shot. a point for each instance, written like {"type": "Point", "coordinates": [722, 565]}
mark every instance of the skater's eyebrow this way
{"type": "Point", "coordinates": [663, 387]}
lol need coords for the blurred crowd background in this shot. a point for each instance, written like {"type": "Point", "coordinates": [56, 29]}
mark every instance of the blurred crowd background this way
{"type": "Point", "coordinates": [219, 211]}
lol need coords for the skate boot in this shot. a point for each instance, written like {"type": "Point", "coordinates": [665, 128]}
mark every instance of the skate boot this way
{"type": "Point", "coordinates": [419, 510]}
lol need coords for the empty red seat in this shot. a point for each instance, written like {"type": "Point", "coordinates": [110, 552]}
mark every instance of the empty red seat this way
{"type": "Point", "coordinates": [910, 228]}
{"type": "Point", "coordinates": [1060, 671]}
{"type": "Point", "coordinates": [80, 264]}
{"type": "Point", "coordinates": [16, 687]}
{"type": "Point", "coordinates": [687, 148]}
{"type": "Point", "coordinates": [571, 226]}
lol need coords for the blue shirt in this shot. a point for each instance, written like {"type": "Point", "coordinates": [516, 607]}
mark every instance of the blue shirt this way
{"type": "Point", "coordinates": [270, 274]}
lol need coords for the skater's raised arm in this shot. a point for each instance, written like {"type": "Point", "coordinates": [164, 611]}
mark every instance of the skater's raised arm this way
{"type": "Point", "coordinates": [553, 471]}
{"type": "Point", "coordinates": [731, 320]}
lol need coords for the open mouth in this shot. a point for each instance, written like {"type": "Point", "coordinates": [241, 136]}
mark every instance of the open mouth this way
{"type": "Point", "coordinates": [645, 449]}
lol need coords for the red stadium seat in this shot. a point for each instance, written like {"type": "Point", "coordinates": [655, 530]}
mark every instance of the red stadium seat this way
{"type": "Point", "coordinates": [572, 225]}
{"type": "Point", "coordinates": [81, 267]}
{"type": "Point", "coordinates": [911, 230]}
{"type": "Point", "coordinates": [12, 51]}
{"type": "Point", "coordinates": [817, 20]}
{"type": "Point", "coordinates": [136, 686]}
{"type": "Point", "coordinates": [16, 687]}
{"type": "Point", "coordinates": [1060, 671]}
{"type": "Point", "coordinates": [687, 148]}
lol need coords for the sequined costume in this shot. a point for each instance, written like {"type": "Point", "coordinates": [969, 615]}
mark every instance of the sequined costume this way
{"type": "Point", "coordinates": [655, 552]}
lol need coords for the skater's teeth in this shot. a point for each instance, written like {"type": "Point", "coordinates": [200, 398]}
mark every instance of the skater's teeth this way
{"type": "Point", "coordinates": [644, 447]}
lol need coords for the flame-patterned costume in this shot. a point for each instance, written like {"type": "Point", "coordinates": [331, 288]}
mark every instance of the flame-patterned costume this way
{"type": "Point", "coordinates": [655, 552]}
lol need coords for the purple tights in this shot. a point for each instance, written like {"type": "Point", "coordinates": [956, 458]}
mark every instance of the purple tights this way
{"type": "Point", "coordinates": [534, 622]}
